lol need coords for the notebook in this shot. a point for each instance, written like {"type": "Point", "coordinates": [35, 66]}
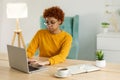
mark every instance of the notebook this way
{"type": "Point", "coordinates": [18, 60]}
{"type": "Point", "coordinates": [82, 68]}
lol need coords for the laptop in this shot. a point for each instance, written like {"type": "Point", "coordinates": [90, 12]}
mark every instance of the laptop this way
{"type": "Point", "coordinates": [18, 60]}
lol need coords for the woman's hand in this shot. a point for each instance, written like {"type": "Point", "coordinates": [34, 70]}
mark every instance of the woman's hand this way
{"type": "Point", "coordinates": [31, 61]}
{"type": "Point", "coordinates": [39, 63]}
{"type": "Point", "coordinates": [43, 63]}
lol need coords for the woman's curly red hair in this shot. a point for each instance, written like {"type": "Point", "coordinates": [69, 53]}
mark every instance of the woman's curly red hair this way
{"type": "Point", "coordinates": [55, 12]}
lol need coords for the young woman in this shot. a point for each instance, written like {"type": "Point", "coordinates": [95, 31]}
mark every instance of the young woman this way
{"type": "Point", "coordinates": [52, 42]}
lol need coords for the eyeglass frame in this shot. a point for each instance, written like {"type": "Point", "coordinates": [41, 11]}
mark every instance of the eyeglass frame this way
{"type": "Point", "coordinates": [49, 23]}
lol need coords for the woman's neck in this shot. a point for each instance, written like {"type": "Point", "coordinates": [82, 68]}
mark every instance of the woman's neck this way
{"type": "Point", "coordinates": [56, 32]}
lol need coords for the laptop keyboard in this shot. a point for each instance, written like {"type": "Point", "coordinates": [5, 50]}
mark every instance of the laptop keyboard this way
{"type": "Point", "coordinates": [82, 68]}
{"type": "Point", "coordinates": [32, 68]}
{"type": "Point", "coordinates": [40, 68]}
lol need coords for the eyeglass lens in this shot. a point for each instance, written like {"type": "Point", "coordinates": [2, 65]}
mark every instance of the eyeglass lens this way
{"type": "Point", "coordinates": [50, 23]}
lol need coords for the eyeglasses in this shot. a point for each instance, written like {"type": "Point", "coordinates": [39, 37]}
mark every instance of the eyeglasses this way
{"type": "Point", "coordinates": [50, 23]}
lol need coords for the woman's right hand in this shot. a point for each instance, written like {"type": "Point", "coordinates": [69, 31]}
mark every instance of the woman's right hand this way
{"type": "Point", "coordinates": [31, 61]}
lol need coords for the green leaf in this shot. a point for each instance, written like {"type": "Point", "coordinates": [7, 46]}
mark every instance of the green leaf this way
{"type": "Point", "coordinates": [99, 55]}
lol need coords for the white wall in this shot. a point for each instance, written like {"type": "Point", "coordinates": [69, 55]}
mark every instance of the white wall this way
{"type": "Point", "coordinates": [90, 13]}
{"type": "Point", "coordinates": [28, 25]}
{"type": "Point", "coordinates": [1, 12]}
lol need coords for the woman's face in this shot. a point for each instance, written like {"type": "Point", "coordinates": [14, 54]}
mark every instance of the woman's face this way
{"type": "Point", "coordinates": [52, 24]}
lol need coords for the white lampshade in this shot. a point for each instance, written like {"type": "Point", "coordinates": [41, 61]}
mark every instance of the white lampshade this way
{"type": "Point", "coordinates": [17, 10]}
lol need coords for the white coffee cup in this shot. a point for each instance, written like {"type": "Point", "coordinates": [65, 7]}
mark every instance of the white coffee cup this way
{"type": "Point", "coordinates": [63, 72]}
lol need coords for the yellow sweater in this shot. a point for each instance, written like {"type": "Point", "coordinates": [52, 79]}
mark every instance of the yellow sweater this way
{"type": "Point", "coordinates": [54, 46]}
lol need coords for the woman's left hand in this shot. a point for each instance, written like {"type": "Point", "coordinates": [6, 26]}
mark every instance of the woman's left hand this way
{"type": "Point", "coordinates": [42, 63]}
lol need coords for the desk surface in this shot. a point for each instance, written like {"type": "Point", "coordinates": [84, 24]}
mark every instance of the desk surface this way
{"type": "Point", "coordinates": [110, 72]}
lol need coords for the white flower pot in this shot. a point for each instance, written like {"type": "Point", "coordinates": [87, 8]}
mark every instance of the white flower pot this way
{"type": "Point", "coordinates": [105, 30]}
{"type": "Point", "coordinates": [101, 63]}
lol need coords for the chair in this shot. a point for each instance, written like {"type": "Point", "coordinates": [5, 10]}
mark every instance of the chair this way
{"type": "Point", "coordinates": [70, 25]}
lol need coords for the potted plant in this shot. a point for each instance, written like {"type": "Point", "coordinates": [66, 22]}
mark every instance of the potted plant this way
{"type": "Point", "coordinates": [105, 26]}
{"type": "Point", "coordinates": [100, 62]}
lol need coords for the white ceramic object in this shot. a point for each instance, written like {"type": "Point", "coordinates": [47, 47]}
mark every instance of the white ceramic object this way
{"type": "Point", "coordinates": [101, 63]}
{"type": "Point", "coordinates": [105, 30]}
{"type": "Point", "coordinates": [64, 72]}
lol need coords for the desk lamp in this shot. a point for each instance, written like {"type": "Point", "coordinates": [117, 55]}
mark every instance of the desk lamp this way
{"type": "Point", "coordinates": [16, 11]}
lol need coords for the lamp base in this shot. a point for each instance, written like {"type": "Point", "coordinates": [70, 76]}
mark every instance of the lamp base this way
{"type": "Point", "coordinates": [20, 38]}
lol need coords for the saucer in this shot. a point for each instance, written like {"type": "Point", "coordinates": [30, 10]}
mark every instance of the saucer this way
{"type": "Point", "coordinates": [56, 75]}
